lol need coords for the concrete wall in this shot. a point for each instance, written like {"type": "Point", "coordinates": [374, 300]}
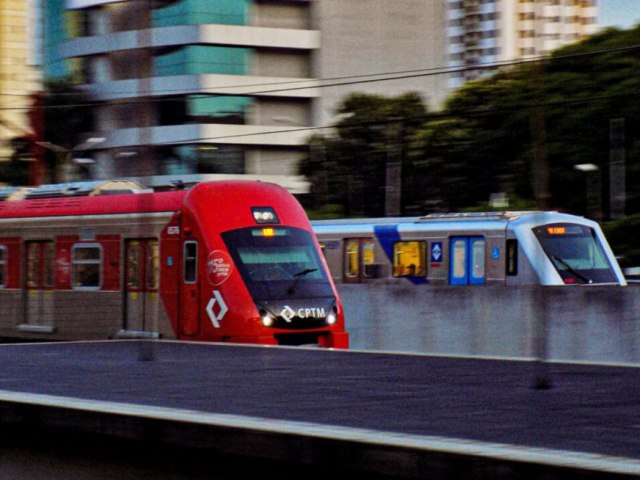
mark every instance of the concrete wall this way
{"type": "Point", "coordinates": [595, 324]}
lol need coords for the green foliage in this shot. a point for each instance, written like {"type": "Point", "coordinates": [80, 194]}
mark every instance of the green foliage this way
{"type": "Point", "coordinates": [623, 235]}
{"type": "Point", "coordinates": [349, 167]}
{"type": "Point", "coordinates": [493, 135]}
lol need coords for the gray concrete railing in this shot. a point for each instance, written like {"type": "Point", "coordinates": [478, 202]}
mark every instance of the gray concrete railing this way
{"type": "Point", "coordinates": [595, 323]}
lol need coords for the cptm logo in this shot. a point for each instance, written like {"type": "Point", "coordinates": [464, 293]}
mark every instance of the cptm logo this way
{"type": "Point", "coordinates": [218, 301]}
{"type": "Point", "coordinates": [288, 313]}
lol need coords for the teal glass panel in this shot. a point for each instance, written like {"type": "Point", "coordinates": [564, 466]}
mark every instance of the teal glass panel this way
{"type": "Point", "coordinates": [200, 106]}
{"type": "Point", "coordinates": [203, 59]}
{"type": "Point", "coordinates": [201, 12]}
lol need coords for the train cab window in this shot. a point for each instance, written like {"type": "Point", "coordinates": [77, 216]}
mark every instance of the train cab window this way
{"type": "Point", "coordinates": [190, 256]}
{"type": "Point", "coordinates": [409, 259]}
{"type": "Point", "coordinates": [575, 252]}
{"type": "Point", "coordinates": [3, 266]}
{"type": "Point", "coordinates": [467, 260]}
{"type": "Point", "coordinates": [87, 266]}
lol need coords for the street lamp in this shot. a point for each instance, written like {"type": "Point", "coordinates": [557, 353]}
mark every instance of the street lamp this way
{"type": "Point", "coordinates": [66, 155]}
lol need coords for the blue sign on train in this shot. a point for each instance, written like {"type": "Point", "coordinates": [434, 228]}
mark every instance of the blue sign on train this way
{"type": "Point", "coordinates": [436, 252]}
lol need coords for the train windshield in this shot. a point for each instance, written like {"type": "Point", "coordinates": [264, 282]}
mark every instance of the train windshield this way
{"type": "Point", "coordinates": [278, 263]}
{"type": "Point", "coordinates": [576, 253]}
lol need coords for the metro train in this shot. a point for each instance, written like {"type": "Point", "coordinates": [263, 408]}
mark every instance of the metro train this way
{"type": "Point", "coordinates": [232, 261]}
{"type": "Point", "coordinates": [490, 248]}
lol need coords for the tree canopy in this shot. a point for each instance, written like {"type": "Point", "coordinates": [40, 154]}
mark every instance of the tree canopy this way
{"type": "Point", "coordinates": [521, 132]}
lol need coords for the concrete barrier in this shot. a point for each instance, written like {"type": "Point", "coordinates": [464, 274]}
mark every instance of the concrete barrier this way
{"type": "Point", "coordinates": [595, 324]}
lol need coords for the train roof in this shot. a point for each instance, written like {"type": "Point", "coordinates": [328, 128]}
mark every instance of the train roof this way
{"type": "Point", "coordinates": [434, 217]}
{"type": "Point", "coordinates": [112, 197]}
{"type": "Point", "coordinates": [462, 221]}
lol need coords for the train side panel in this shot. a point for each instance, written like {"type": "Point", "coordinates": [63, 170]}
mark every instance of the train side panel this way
{"type": "Point", "coordinates": [67, 278]}
{"type": "Point", "coordinates": [512, 248]}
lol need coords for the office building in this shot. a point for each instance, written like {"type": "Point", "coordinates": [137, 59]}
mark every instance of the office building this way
{"type": "Point", "coordinates": [238, 86]}
{"type": "Point", "coordinates": [486, 32]}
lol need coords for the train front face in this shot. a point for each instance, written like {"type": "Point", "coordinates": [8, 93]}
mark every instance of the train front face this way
{"type": "Point", "coordinates": [576, 252]}
{"type": "Point", "coordinates": [284, 274]}
{"type": "Point", "coordinates": [278, 289]}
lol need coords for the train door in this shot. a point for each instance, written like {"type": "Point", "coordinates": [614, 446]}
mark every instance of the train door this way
{"type": "Point", "coordinates": [142, 266]}
{"type": "Point", "coordinates": [467, 260]}
{"type": "Point", "coordinates": [39, 306]}
{"type": "Point", "coordinates": [189, 290]}
{"type": "Point", "coordinates": [358, 255]}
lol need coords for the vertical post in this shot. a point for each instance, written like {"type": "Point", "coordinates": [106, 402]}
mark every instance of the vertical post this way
{"type": "Point", "coordinates": [542, 373]}
{"type": "Point", "coordinates": [539, 134]}
{"type": "Point", "coordinates": [617, 171]}
{"type": "Point", "coordinates": [393, 173]}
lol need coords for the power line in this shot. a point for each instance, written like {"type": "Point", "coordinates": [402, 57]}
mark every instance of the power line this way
{"type": "Point", "coordinates": [359, 79]}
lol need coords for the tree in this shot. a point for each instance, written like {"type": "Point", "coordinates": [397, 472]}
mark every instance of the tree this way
{"type": "Point", "coordinates": [348, 168]}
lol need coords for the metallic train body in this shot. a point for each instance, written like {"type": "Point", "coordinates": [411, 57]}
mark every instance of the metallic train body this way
{"type": "Point", "coordinates": [222, 261]}
{"type": "Point", "coordinates": [510, 248]}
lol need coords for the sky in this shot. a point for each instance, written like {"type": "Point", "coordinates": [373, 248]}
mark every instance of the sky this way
{"type": "Point", "coordinates": [618, 13]}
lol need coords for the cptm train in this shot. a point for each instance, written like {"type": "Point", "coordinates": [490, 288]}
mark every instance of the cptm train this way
{"type": "Point", "coordinates": [511, 248]}
{"type": "Point", "coordinates": [221, 261]}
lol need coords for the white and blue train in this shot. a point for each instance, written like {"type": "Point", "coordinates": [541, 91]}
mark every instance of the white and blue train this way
{"type": "Point", "coordinates": [492, 248]}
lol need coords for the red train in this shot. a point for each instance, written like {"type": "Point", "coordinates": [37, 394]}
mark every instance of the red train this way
{"type": "Point", "coordinates": [229, 261]}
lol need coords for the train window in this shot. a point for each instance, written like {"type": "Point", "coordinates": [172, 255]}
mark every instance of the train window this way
{"type": "Point", "coordinates": [409, 259]}
{"type": "Point", "coordinates": [512, 257]}
{"type": "Point", "coordinates": [359, 257]}
{"type": "Point", "coordinates": [368, 257]}
{"type": "Point", "coordinates": [33, 262]}
{"type": "Point", "coordinates": [3, 266]}
{"type": "Point", "coordinates": [87, 266]}
{"type": "Point", "coordinates": [352, 258]}
{"type": "Point", "coordinates": [190, 256]}
{"type": "Point", "coordinates": [467, 261]}
{"type": "Point", "coordinates": [40, 264]}
{"type": "Point", "coordinates": [477, 258]}
{"type": "Point", "coordinates": [153, 264]}
{"type": "Point", "coordinates": [133, 264]}
{"type": "Point", "coordinates": [49, 258]}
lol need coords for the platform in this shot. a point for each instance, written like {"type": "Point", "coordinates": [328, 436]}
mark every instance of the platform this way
{"type": "Point", "coordinates": [384, 414]}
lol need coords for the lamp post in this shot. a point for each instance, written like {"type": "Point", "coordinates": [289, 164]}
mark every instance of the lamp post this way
{"type": "Point", "coordinates": [66, 157]}
{"type": "Point", "coordinates": [593, 194]}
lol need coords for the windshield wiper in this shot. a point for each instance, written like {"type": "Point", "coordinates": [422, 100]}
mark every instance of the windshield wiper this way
{"type": "Point", "coordinates": [570, 268]}
{"type": "Point", "coordinates": [297, 277]}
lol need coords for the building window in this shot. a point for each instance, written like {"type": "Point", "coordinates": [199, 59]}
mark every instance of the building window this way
{"type": "Point", "coordinates": [87, 266]}
{"type": "Point", "coordinates": [203, 59]}
{"type": "Point", "coordinates": [201, 12]}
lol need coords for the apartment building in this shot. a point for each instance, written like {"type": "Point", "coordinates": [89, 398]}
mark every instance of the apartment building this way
{"type": "Point", "coordinates": [19, 78]}
{"type": "Point", "coordinates": [485, 32]}
{"type": "Point", "coordinates": [237, 86]}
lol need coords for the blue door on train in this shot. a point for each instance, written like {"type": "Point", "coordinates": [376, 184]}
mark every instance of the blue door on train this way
{"type": "Point", "coordinates": [467, 260]}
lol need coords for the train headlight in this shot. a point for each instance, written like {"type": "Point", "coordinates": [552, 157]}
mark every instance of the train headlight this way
{"type": "Point", "coordinates": [332, 317]}
{"type": "Point", "coordinates": [267, 318]}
